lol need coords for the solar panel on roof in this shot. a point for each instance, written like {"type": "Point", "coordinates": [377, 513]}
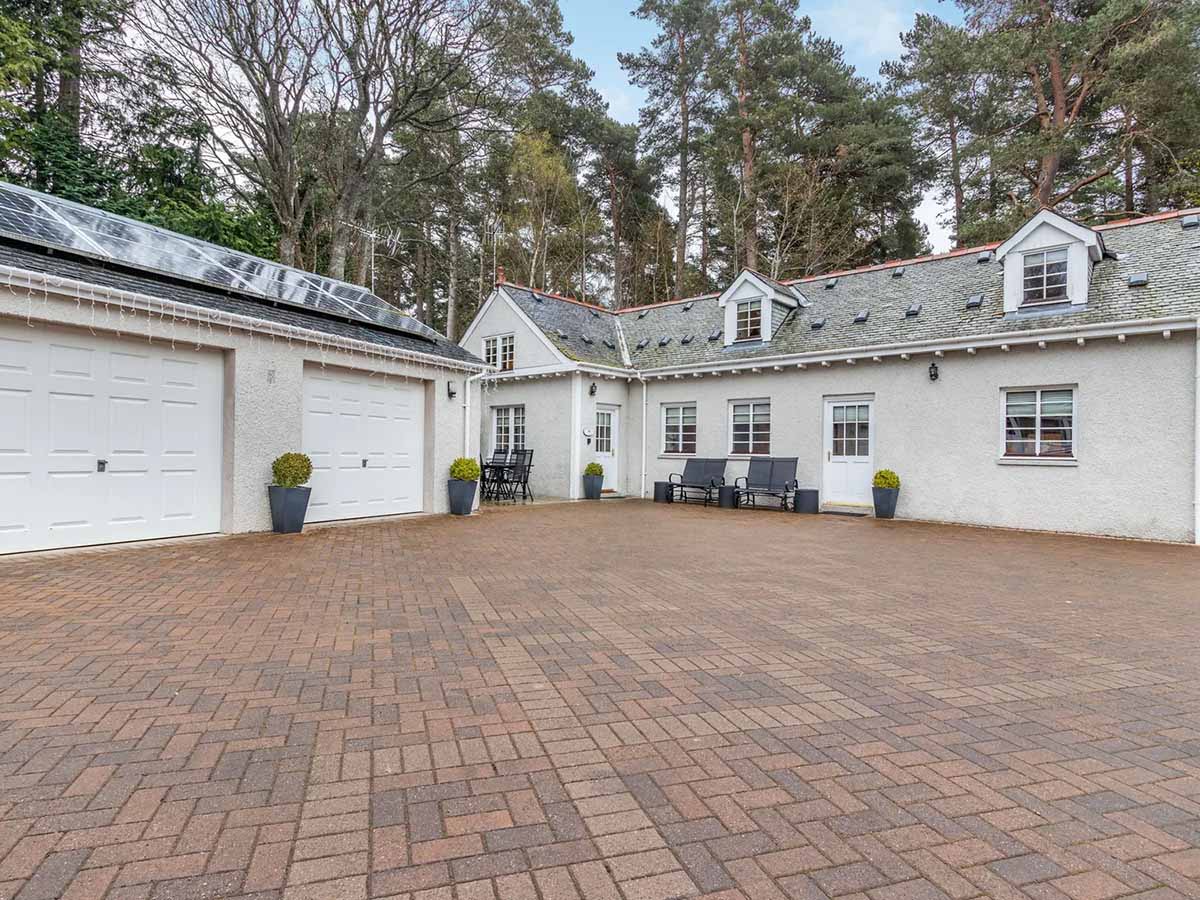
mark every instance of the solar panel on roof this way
{"type": "Point", "coordinates": [53, 222]}
{"type": "Point", "coordinates": [975, 301]}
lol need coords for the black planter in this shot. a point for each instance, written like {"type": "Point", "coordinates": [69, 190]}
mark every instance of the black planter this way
{"type": "Point", "coordinates": [808, 500]}
{"type": "Point", "coordinates": [462, 496]}
{"type": "Point", "coordinates": [885, 502]}
{"type": "Point", "coordinates": [592, 485]}
{"type": "Point", "coordinates": [288, 507]}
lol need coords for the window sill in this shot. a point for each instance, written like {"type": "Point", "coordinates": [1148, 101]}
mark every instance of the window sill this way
{"type": "Point", "coordinates": [676, 455]}
{"type": "Point", "coordinates": [1060, 462]}
{"type": "Point", "coordinates": [746, 455]}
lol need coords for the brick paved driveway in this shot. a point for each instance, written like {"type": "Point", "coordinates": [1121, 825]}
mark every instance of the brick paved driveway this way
{"type": "Point", "coordinates": [612, 701]}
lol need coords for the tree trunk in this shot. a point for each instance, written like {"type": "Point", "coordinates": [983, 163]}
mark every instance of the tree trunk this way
{"type": "Point", "coordinates": [704, 229]}
{"type": "Point", "coordinates": [956, 181]}
{"type": "Point", "coordinates": [452, 279]}
{"type": "Point", "coordinates": [364, 268]}
{"type": "Point", "coordinates": [681, 227]}
{"type": "Point", "coordinates": [1130, 201]}
{"type": "Point", "coordinates": [339, 244]}
{"type": "Point", "coordinates": [288, 243]}
{"type": "Point", "coordinates": [615, 212]}
{"type": "Point", "coordinates": [750, 219]}
{"type": "Point", "coordinates": [70, 65]}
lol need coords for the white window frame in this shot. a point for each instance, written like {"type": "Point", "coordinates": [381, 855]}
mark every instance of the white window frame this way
{"type": "Point", "coordinates": [1043, 252]}
{"type": "Point", "coordinates": [737, 319]}
{"type": "Point", "coordinates": [511, 429]}
{"type": "Point", "coordinates": [500, 350]}
{"type": "Point", "coordinates": [607, 436]}
{"type": "Point", "coordinates": [733, 404]}
{"type": "Point", "coordinates": [681, 406]}
{"type": "Point", "coordinates": [1003, 457]}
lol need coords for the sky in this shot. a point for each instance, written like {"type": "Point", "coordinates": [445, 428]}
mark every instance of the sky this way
{"type": "Point", "coordinates": [868, 30]}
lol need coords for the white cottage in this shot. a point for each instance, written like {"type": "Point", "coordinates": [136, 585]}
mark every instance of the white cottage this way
{"type": "Point", "coordinates": [1047, 382]}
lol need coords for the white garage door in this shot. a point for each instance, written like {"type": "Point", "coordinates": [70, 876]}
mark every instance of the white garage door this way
{"type": "Point", "coordinates": [105, 439]}
{"type": "Point", "coordinates": [365, 435]}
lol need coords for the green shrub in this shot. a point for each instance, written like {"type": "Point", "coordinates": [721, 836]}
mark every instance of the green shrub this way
{"type": "Point", "coordinates": [291, 470]}
{"type": "Point", "coordinates": [464, 469]}
{"type": "Point", "coordinates": [886, 478]}
{"type": "Point", "coordinates": [593, 468]}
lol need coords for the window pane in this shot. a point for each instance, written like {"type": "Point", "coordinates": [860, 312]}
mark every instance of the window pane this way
{"type": "Point", "coordinates": [839, 447]}
{"type": "Point", "coordinates": [839, 414]}
{"type": "Point", "coordinates": [1056, 403]}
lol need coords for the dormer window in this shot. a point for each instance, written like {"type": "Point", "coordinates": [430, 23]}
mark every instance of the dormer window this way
{"type": "Point", "coordinates": [1045, 277]}
{"type": "Point", "coordinates": [500, 352]}
{"type": "Point", "coordinates": [749, 320]}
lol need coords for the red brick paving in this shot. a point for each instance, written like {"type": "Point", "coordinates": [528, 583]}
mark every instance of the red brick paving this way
{"type": "Point", "coordinates": [611, 701]}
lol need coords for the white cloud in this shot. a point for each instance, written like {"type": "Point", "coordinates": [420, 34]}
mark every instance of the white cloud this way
{"type": "Point", "coordinates": [928, 211]}
{"type": "Point", "coordinates": [869, 30]}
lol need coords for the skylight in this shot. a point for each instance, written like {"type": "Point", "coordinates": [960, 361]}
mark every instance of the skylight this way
{"type": "Point", "coordinates": [863, 315]}
{"type": "Point", "coordinates": [688, 305]}
{"type": "Point", "coordinates": [643, 343]}
{"type": "Point", "coordinates": [830, 283]}
{"type": "Point", "coordinates": [975, 301]}
{"type": "Point", "coordinates": [562, 334]}
{"type": "Point", "coordinates": [587, 339]}
{"type": "Point", "coordinates": [609, 344]}
{"type": "Point", "coordinates": [984, 256]}
{"type": "Point", "coordinates": [664, 340]}
{"type": "Point", "coordinates": [898, 272]}
{"type": "Point", "coordinates": [643, 313]}
{"type": "Point", "coordinates": [818, 324]}
{"type": "Point", "coordinates": [914, 309]}
{"type": "Point", "coordinates": [687, 339]}
{"type": "Point", "coordinates": [1192, 221]}
{"type": "Point", "coordinates": [1139, 279]}
{"type": "Point", "coordinates": [716, 335]}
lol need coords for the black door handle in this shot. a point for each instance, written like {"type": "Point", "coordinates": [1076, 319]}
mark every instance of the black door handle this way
{"type": "Point", "coordinates": [101, 465]}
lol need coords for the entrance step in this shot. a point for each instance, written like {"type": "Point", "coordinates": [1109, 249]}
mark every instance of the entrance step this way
{"type": "Point", "coordinates": [859, 512]}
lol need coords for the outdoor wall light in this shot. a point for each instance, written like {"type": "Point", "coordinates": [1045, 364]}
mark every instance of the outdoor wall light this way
{"type": "Point", "coordinates": [592, 390]}
{"type": "Point", "coordinates": [933, 371]}
{"type": "Point", "coordinates": [451, 390]}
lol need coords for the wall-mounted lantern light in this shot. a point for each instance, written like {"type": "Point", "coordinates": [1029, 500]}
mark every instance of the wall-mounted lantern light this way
{"type": "Point", "coordinates": [933, 371]}
{"type": "Point", "coordinates": [592, 390]}
{"type": "Point", "coordinates": [451, 390]}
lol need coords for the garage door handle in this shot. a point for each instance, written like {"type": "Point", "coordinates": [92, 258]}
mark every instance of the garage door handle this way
{"type": "Point", "coordinates": [364, 465]}
{"type": "Point", "coordinates": [101, 465]}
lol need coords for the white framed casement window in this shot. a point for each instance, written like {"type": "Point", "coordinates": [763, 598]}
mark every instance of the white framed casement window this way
{"type": "Point", "coordinates": [750, 427]}
{"type": "Point", "coordinates": [1039, 424]}
{"type": "Point", "coordinates": [508, 428]}
{"type": "Point", "coordinates": [1045, 274]}
{"type": "Point", "coordinates": [500, 351]}
{"type": "Point", "coordinates": [749, 320]}
{"type": "Point", "coordinates": [679, 428]}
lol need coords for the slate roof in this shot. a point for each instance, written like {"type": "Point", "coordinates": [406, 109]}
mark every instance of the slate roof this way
{"type": "Point", "coordinates": [568, 322]}
{"type": "Point", "coordinates": [14, 253]}
{"type": "Point", "coordinates": [942, 286]}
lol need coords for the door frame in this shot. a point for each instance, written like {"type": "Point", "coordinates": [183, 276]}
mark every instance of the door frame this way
{"type": "Point", "coordinates": [614, 409]}
{"type": "Point", "coordinates": [829, 400]}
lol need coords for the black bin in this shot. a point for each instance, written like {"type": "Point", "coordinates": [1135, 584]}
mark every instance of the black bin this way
{"type": "Point", "coordinates": [662, 492]}
{"type": "Point", "coordinates": [808, 500]}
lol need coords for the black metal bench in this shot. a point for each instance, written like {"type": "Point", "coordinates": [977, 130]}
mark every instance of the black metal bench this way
{"type": "Point", "coordinates": [699, 479]}
{"type": "Point", "coordinates": [768, 477]}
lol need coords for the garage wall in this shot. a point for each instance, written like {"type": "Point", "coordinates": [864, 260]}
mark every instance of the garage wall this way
{"type": "Point", "coordinates": [263, 397]}
{"type": "Point", "coordinates": [1135, 428]}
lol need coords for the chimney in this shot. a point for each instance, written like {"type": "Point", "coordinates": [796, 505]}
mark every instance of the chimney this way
{"type": "Point", "coordinates": [500, 275]}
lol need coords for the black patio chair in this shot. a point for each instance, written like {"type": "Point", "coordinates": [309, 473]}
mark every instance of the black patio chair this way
{"type": "Point", "coordinates": [699, 479]}
{"type": "Point", "coordinates": [522, 463]}
{"type": "Point", "coordinates": [494, 475]}
{"type": "Point", "coordinates": [768, 477]}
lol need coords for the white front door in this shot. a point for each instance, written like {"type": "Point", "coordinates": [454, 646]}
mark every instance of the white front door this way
{"type": "Point", "coordinates": [105, 439]}
{"type": "Point", "coordinates": [608, 422]}
{"type": "Point", "coordinates": [849, 447]}
{"type": "Point", "coordinates": [365, 436]}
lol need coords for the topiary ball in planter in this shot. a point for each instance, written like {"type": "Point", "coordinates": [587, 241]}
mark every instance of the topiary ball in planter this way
{"type": "Point", "coordinates": [464, 478]}
{"type": "Point", "coordinates": [593, 481]}
{"type": "Point", "coordinates": [287, 494]}
{"type": "Point", "coordinates": [885, 490]}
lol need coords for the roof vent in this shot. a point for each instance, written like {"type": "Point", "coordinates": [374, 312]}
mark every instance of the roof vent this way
{"type": "Point", "coordinates": [562, 334]}
{"type": "Point", "coordinates": [688, 305]}
{"type": "Point", "coordinates": [595, 314]}
{"type": "Point", "coordinates": [664, 340]}
{"type": "Point", "coordinates": [687, 339]}
{"type": "Point", "coordinates": [643, 313]}
{"type": "Point", "coordinates": [985, 256]}
{"type": "Point", "coordinates": [1192, 221]}
{"type": "Point", "coordinates": [898, 272]}
{"type": "Point", "coordinates": [609, 344]}
{"type": "Point", "coordinates": [975, 301]}
{"type": "Point", "coordinates": [587, 339]}
{"type": "Point", "coordinates": [862, 316]}
{"type": "Point", "coordinates": [643, 343]}
{"type": "Point", "coordinates": [914, 310]}
{"type": "Point", "coordinates": [716, 335]}
{"type": "Point", "coordinates": [830, 283]}
{"type": "Point", "coordinates": [1139, 279]}
{"type": "Point", "coordinates": [818, 324]}
{"type": "Point", "coordinates": [537, 298]}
